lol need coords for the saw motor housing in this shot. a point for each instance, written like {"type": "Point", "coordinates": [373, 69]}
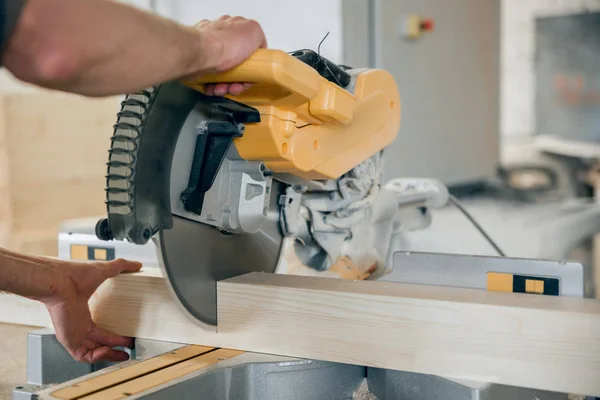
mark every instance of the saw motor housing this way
{"type": "Point", "coordinates": [285, 177]}
{"type": "Point", "coordinates": [304, 117]}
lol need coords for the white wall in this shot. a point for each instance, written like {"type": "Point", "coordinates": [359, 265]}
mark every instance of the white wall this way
{"type": "Point", "coordinates": [518, 114]}
{"type": "Point", "coordinates": [291, 25]}
{"type": "Point", "coordinates": [288, 24]}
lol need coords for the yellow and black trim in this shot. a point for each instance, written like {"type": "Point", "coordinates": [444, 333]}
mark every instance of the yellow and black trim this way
{"type": "Point", "coordinates": [82, 252]}
{"type": "Point", "coordinates": [513, 283]}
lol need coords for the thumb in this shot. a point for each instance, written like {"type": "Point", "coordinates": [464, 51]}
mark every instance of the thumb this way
{"type": "Point", "coordinates": [120, 265]}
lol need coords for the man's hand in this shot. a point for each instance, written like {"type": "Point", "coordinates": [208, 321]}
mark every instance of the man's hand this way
{"type": "Point", "coordinates": [65, 288]}
{"type": "Point", "coordinates": [103, 48]}
{"type": "Point", "coordinates": [229, 41]}
{"type": "Point", "coordinates": [70, 313]}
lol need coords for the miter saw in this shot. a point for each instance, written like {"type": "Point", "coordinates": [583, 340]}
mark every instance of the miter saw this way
{"type": "Point", "coordinates": [282, 178]}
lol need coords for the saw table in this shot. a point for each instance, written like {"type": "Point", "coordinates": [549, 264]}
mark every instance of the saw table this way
{"type": "Point", "coordinates": [165, 370]}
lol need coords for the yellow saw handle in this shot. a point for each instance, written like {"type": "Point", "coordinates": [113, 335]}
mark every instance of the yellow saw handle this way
{"type": "Point", "coordinates": [265, 68]}
{"type": "Point", "coordinates": [281, 80]}
{"type": "Point", "coordinates": [310, 127]}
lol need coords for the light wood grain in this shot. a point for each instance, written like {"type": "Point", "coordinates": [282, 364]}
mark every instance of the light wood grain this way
{"type": "Point", "coordinates": [53, 153]}
{"type": "Point", "coordinates": [543, 342]}
{"type": "Point", "coordinates": [525, 340]}
{"type": "Point", "coordinates": [5, 200]}
{"type": "Point", "coordinates": [534, 341]}
{"type": "Point", "coordinates": [57, 149]}
{"type": "Point", "coordinates": [21, 311]}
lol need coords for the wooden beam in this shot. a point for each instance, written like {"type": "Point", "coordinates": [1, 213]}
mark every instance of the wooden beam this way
{"type": "Point", "coordinates": [53, 151]}
{"type": "Point", "coordinates": [5, 189]}
{"type": "Point", "coordinates": [549, 343]}
{"type": "Point", "coordinates": [543, 342]}
{"type": "Point", "coordinates": [21, 311]}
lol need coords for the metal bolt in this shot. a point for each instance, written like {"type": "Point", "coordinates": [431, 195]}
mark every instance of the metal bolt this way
{"type": "Point", "coordinates": [202, 127]}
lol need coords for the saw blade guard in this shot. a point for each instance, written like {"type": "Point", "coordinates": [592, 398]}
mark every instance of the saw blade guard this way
{"type": "Point", "coordinates": [141, 157]}
{"type": "Point", "coordinates": [209, 177]}
{"type": "Point", "coordinates": [303, 116]}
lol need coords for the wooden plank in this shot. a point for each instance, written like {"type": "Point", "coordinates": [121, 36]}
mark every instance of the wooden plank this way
{"type": "Point", "coordinates": [33, 242]}
{"type": "Point", "coordinates": [535, 341]}
{"type": "Point", "coordinates": [53, 153]}
{"type": "Point", "coordinates": [5, 190]}
{"type": "Point", "coordinates": [544, 342]}
{"type": "Point", "coordinates": [58, 148]}
{"type": "Point", "coordinates": [21, 311]}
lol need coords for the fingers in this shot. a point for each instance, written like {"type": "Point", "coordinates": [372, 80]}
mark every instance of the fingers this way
{"type": "Point", "coordinates": [107, 338]}
{"type": "Point", "coordinates": [236, 89]}
{"type": "Point", "coordinates": [89, 344]}
{"type": "Point", "coordinates": [126, 265]}
{"type": "Point", "coordinates": [118, 266]}
{"type": "Point", "coordinates": [228, 41]}
{"type": "Point", "coordinates": [222, 89]}
{"type": "Point", "coordinates": [108, 354]}
{"type": "Point", "coordinates": [256, 29]}
{"type": "Point", "coordinates": [82, 354]}
{"type": "Point", "coordinates": [99, 345]}
{"type": "Point", "coordinates": [103, 353]}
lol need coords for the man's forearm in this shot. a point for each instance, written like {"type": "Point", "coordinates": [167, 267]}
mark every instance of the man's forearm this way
{"type": "Point", "coordinates": [100, 47]}
{"type": "Point", "coordinates": [27, 276]}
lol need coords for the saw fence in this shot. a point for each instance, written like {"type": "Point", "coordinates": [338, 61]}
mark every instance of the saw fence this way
{"type": "Point", "coordinates": [543, 342]}
{"type": "Point", "coordinates": [53, 150]}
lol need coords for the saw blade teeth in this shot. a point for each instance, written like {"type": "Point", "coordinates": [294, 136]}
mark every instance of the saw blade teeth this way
{"type": "Point", "coordinates": [123, 152]}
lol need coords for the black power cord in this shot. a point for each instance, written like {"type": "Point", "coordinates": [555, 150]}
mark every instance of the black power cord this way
{"type": "Point", "coordinates": [467, 214]}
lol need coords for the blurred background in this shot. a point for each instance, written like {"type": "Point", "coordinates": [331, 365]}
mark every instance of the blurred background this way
{"type": "Point", "coordinates": [500, 101]}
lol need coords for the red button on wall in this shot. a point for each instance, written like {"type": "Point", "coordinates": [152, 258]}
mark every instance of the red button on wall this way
{"type": "Point", "coordinates": [427, 25]}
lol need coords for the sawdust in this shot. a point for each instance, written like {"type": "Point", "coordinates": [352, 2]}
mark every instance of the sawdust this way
{"type": "Point", "coordinates": [363, 393]}
{"type": "Point", "coordinates": [343, 268]}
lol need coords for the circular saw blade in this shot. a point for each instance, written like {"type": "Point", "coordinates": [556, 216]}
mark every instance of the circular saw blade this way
{"type": "Point", "coordinates": [195, 256]}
